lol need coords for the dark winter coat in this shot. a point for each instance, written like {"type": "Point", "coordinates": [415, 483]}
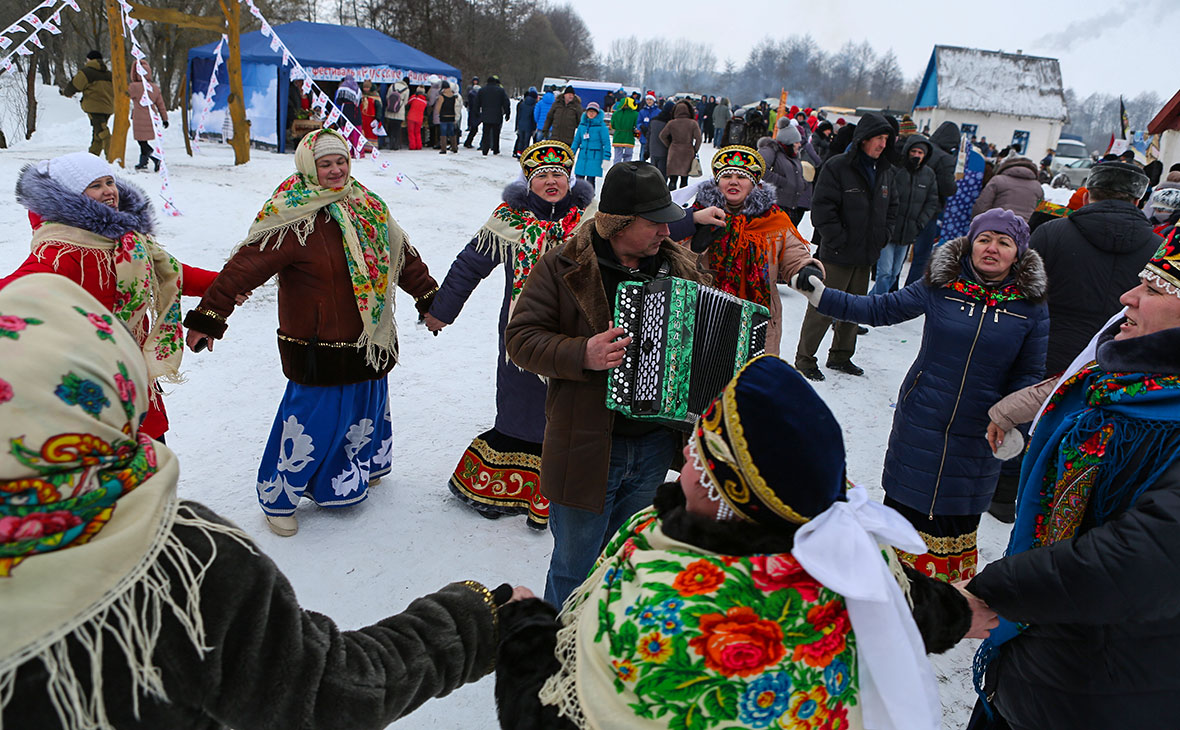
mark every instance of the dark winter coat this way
{"type": "Point", "coordinates": [1014, 187]}
{"type": "Point", "coordinates": [317, 307]}
{"type": "Point", "coordinates": [916, 192]}
{"type": "Point", "coordinates": [1103, 608]}
{"type": "Point", "coordinates": [785, 173]}
{"type": "Point", "coordinates": [656, 147]}
{"type": "Point", "coordinates": [274, 665]}
{"type": "Point", "coordinates": [853, 214]}
{"type": "Point", "coordinates": [943, 159]}
{"type": "Point", "coordinates": [683, 137]}
{"type": "Point", "coordinates": [525, 124]}
{"type": "Point", "coordinates": [529, 628]}
{"type": "Point", "coordinates": [971, 356]}
{"type": "Point", "coordinates": [492, 104]}
{"type": "Point", "coordinates": [520, 395]}
{"type": "Point", "coordinates": [563, 304]}
{"type": "Point", "coordinates": [562, 120]}
{"type": "Point", "coordinates": [473, 106]}
{"type": "Point", "coordinates": [1091, 257]}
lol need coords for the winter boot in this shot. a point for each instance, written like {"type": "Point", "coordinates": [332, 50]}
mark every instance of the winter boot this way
{"type": "Point", "coordinates": [156, 162]}
{"type": "Point", "coordinates": [445, 142]}
{"type": "Point", "coordinates": [143, 160]}
{"type": "Point", "coordinates": [283, 526]}
{"type": "Point", "coordinates": [455, 144]}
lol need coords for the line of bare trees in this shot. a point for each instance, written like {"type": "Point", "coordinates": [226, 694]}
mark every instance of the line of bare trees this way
{"type": "Point", "coordinates": [1096, 116]}
{"type": "Point", "coordinates": [854, 75]}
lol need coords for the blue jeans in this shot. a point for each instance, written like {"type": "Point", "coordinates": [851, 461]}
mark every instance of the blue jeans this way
{"type": "Point", "coordinates": [638, 465]}
{"type": "Point", "coordinates": [448, 129]}
{"type": "Point", "coordinates": [889, 267]}
{"type": "Point", "coordinates": [622, 153]}
{"type": "Point", "coordinates": [717, 135]}
{"type": "Point", "coordinates": [922, 245]}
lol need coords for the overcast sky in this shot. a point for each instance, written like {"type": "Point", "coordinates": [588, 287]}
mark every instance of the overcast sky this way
{"type": "Point", "coordinates": [1103, 46]}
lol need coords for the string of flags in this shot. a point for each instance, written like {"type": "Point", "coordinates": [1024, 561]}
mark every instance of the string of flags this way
{"type": "Point", "coordinates": [207, 106]}
{"type": "Point", "coordinates": [319, 100]}
{"type": "Point", "coordinates": [129, 26]}
{"type": "Point", "coordinates": [50, 24]}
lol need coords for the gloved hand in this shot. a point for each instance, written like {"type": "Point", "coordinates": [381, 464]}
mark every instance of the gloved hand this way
{"type": "Point", "coordinates": [165, 125]}
{"type": "Point", "coordinates": [809, 277]}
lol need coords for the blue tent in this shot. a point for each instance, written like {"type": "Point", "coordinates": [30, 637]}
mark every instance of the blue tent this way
{"type": "Point", "coordinates": [328, 52]}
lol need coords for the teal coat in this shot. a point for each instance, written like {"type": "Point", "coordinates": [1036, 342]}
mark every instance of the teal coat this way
{"type": "Point", "coordinates": [591, 145]}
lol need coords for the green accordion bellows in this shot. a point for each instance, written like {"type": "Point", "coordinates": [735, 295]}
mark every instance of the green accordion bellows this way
{"type": "Point", "coordinates": [688, 341]}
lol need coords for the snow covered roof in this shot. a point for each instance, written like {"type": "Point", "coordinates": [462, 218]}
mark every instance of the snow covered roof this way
{"type": "Point", "coordinates": [971, 79]}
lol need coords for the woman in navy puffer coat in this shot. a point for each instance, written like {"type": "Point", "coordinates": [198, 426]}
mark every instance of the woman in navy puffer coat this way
{"type": "Point", "coordinates": [983, 339]}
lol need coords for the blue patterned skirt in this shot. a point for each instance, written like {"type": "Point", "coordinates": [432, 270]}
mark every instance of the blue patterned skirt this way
{"type": "Point", "coordinates": [326, 444]}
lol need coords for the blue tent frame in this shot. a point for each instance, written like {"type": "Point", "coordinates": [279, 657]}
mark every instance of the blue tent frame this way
{"type": "Point", "coordinates": [325, 50]}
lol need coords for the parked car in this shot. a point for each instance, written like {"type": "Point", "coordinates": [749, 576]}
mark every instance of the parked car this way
{"type": "Point", "coordinates": [1073, 174]}
{"type": "Point", "coordinates": [1067, 152]}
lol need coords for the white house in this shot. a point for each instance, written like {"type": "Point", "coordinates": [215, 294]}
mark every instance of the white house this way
{"type": "Point", "coordinates": [1167, 125]}
{"type": "Point", "coordinates": [1005, 97]}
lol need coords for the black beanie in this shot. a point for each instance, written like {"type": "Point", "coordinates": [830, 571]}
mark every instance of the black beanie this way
{"type": "Point", "coordinates": [569, 90]}
{"type": "Point", "coordinates": [93, 55]}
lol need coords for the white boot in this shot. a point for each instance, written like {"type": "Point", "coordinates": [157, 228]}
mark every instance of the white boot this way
{"type": "Point", "coordinates": [282, 526]}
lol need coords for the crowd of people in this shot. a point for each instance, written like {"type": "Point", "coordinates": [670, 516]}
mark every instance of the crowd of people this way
{"type": "Point", "coordinates": [753, 591]}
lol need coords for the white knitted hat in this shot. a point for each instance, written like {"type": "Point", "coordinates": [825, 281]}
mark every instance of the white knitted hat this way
{"type": "Point", "coordinates": [75, 171]}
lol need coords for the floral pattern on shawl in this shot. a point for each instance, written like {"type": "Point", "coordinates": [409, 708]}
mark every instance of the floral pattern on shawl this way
{"type": "Point", "coordinates": [712, 641]}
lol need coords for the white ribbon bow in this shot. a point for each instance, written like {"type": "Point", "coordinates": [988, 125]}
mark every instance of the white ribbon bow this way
{"type": "Point", "coordinates": [841, 548]}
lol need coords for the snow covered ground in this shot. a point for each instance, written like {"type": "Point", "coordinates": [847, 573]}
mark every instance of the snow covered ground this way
{"type": "Point", "coordinates": [410, 537]}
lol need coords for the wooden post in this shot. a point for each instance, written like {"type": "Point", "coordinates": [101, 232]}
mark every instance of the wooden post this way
{"type": "Point", "coordinates": [31, 88]}
{"type": "Point", "coordinates": [118, 141]}
{"type": "Point", "coordinates": [237, 99]}
{"type": "Point", "coordinates": [188, 143]}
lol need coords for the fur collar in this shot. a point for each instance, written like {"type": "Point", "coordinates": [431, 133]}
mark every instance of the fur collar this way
{"type": "Point", "coordinates": [41, 194]}
{"type": "Point", "coordinates": [1155, 353]}
{"type": "Point", "coordinates": [517, 195]}
{"type": "Point", "coordinates": [946, 265]}
{"type": "Point", "coordinates": [724, 538]}
{"type": "Point", "coordinates": [758, 202]}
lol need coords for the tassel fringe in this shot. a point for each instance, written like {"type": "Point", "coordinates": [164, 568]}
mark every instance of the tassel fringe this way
{"type": "Point", "coordinates": [131, 615]}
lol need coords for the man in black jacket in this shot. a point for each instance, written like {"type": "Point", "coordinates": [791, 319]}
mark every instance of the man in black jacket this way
{"type": "Point", "coordinates": [916, 190]}
{"type": "Point", "coordinates": [491, 104]}
{"type": "Point", "coordinates": [1092, 257]}
{"type": "Point", "coordinates": [472, 112]}
{"type": "Point", "coordinates": [943, 158]}
{"type": "Point", "coordinates": [854, 212]}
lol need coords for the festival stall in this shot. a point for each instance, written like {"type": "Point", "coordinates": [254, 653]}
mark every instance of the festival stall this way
{"type": "Point", "coordinates": [326, 52]}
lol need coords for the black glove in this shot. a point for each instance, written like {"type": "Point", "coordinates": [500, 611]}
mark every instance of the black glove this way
{"type": "Point", "coordinates": [165, 124]}
{"type": "Point", "coordinates": [805, 274]}
{"type": "Point", "coordinates": [502, 594]}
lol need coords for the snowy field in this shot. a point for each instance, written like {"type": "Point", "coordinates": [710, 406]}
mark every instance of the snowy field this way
{"type": "Point", "coordinates": [410, 537]}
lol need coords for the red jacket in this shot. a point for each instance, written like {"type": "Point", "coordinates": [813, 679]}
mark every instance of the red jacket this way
{"type": "Point", "coordinates": [84, 268]}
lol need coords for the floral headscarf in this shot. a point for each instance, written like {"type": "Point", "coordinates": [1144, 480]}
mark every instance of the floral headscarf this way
{"type": "Point", "coordinates": [374, 244]}
{"type": "Point", "coordinates": [69, 417]}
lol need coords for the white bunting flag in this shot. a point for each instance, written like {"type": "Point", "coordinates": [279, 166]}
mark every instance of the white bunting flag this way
{"type": "Point", "coordinates": [286, 56]}
{"type": "Point", "coordinates": [332, 116]}
{"type": "Point", "coordinates": [49, 26]}
{"type": "Point", "coordinates": [21, 50]}
{"type": "Point", "coordinates": [73, 5]}
{"type": "Point", "coordinates": [36, 41]}
{"type": "Point", "coordinates": [138, 54]}
{"type": "Point", "coordinates": [275, 43]}
{"type": "Point", "coordinates": [307, 85]}
{"type": "Point", "coordinates": [297, 72]}
{"type": "Point", "coordinates": [265, 29]}
{"type": "Point", "coordinates": [5, 42]}
{"type": "Point", "coordinates": [32, 20]}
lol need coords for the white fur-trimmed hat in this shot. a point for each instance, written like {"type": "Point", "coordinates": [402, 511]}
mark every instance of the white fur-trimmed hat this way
{"type": "Point", "coordinates": [75, 171]}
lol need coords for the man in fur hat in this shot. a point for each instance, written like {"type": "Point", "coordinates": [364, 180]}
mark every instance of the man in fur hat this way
{"type": "Point", "coordinates": [597, 467]}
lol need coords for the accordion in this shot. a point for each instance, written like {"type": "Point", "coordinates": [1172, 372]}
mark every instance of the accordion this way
{"type": "Point", "coordinates": [688, 341]}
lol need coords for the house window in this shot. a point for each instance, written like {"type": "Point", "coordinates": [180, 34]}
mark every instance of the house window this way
{"type": "Point", "coordinates": [1020, 140]}
{"type": "Point", "coordinates": [969, 129]}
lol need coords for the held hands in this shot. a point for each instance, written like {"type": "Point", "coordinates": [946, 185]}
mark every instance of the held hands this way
{"type": "Point", "coordinates": [603, 351]}
{"type": "Point", "coordinates": [198, 341]}
{"type": "Point", "coordinates": [983, 619]}
{"type": "Point", "coordinates": [434, 324]}
{"type": "Point", "coordinates": [810, 282]}
{"type": "Point", "coordinates": [711, 216]}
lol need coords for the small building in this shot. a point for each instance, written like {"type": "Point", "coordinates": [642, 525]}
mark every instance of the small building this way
{"type": "Point", "coordinates": [1167, 125]}
{"type": "Point", "coordinates": [1006, 97]}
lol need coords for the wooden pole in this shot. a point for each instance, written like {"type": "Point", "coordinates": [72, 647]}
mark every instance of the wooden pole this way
{"type": "Point", "coordinates": [117, 144]}
{"type": "Point", "coordinates": [31, 89]}
{"type": "Point", "coordinates": [188, 143]}
{"type": "Point", "coordinates": [237, 101]}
